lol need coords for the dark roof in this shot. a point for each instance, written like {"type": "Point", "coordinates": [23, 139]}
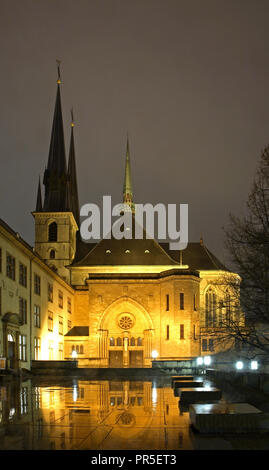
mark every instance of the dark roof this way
{"type": "Point", "coordinates": [78, 331]}
{"type": "Point", "coordinates": [196, 256]}
{"type": "Point", "coordinates": [73, 203]}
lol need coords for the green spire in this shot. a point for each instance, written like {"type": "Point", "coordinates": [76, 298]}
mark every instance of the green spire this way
{"type": "Point", "coordinates": [127, 187]}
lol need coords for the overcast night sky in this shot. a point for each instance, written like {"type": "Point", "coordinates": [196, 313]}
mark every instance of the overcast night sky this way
{"type": "Point", "coordinates": [188, 79]}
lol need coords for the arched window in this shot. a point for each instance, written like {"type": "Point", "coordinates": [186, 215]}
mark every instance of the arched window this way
{"type": "Point", "coordinates": [10, 338]}
{"type": "Point", "coordinates": [111, 341]}
{"type": "Point", "coordinates": [227, 308]}
{"type": "Point", "coordinates": [77, 349]}
{"type": "Point", "coordinates": [119, 341]}
{"type": "Point", "coordinates": [139, 341]}
{"type": "Point", "coordinates": [210, 308]}
{"type": "Point", "coordinates": [53, 232]}
{"type": "Point", "coordinates": [73, 348]}
{"type": "Point", "coordinates": [52, 254]}
{"type": "Point", "coordinates": [132, 342]}
{"type": "Point", "coordinates": [81, 351]}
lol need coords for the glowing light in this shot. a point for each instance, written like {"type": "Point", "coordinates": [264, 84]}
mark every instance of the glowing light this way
{"type": "Point", "coordinates": [199, 361]}
{"type": "Point", "coordinates": [207, 360]}
{"type": "Point", "coordinates": [239, 365]}
{"type": "Point", "coordinates": [254, 365]}
{"type": "Point", "coordinates": [154, 354]}
{"type": "Point", "coordinates": [74, 354]}
{"type": "Point", "coordinates": [154, 395]}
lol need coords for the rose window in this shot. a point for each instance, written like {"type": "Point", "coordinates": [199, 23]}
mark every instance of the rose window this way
{"type": "Point", "coordinates": [125, 322]}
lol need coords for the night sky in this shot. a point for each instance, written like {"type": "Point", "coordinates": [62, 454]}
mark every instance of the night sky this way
{"type": "Point", "coordinates": [188, 80]}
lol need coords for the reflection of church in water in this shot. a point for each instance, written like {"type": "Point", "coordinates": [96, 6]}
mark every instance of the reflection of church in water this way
{"type": "Point", "coordinates": [92, 415]}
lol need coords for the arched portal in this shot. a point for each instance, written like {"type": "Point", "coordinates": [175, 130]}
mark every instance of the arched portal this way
{"type": "Point", "coordinates": [125, 334]}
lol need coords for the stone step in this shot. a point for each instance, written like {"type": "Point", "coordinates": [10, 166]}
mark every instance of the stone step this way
{"type": "Point", "coordinates": [228, 417]}
{"type": "Point", "coordinates": [199, 394]}
{"type": "Point", "coordinates": [187, 384]}
{"type": "Point", "coordinates": [180, 377]}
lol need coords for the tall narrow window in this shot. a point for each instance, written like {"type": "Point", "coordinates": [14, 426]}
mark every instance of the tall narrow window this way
{"type": "Point", "coordinates": [50, 321]}
{"type": "Point", "coordinates": [37, 284]}
{"type": "Point", "coordinates": [61, 351]}
{"type": "Point", "coordinates": [53, 232]}
{"type": "Point", "coordinates": [22, 348]}
{"type": "Point", "coordinates": [37, 348]}
{"type": "Point", "coordinates": [211, 344]}
{"type": "Point", "coordinates": [10, 267]}
{"type": "Point", "coordinates": [61, 326]}
{"type": "Point", "coordinates": [22, 275]}
{"type": "Point", "coordinates": [181, 331]}
{"type": "Point", "coordinates": [167, 331]}
{"type": "Point", "coordinates": [37, 316]}
{"type": "Point", "coordinates": [69, 305]}
{"type": "Point", "coordinates": [52, 254]}
{"type": "Point", "coordinates": [194, 332]}
{"type": "Point", "coordinates": [194, 302]}
{"type": "Point", "coordinates": [23, 310]}
{"type": "Point", "coordinates": [60, 299]}
{"type": "Point", "coordinates": [204, 345]}
{"type": "Point", "coordinates": [181, 301]}
{"type": "Point", "coordinates": [167, 302]}
{"type": "Point", "coordinates": [50, 292]}
{"type": "Point", "coordinates": [210, 308]}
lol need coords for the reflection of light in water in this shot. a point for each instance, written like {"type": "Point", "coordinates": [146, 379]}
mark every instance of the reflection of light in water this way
{"type": "Point", "coordinates": [154, 396]}
{"type": "Point", "coordinates": [75, 393]}
{"type": "Point", "coordinates": [11, 413]}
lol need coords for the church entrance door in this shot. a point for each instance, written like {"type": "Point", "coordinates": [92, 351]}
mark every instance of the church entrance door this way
{"type": "Point", "coordinates": [115, 358]}
{"type": "Point", "coordinates": [136, 359]}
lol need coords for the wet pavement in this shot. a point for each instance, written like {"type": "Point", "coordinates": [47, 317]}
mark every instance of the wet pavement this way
{"type": "Point", "coordinates": [104, 415]}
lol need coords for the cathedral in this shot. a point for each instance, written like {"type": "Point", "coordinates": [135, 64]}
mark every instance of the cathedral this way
{"type": "Point", "coordinates": [115, 303]}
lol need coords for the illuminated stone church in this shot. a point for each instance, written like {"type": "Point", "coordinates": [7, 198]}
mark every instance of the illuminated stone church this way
{"type": "Point", "coordinates": [115, 303]}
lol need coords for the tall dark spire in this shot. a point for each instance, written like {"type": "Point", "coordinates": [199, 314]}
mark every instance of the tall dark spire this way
{"type": "Point", "coordinates": [39, 198]}
{"type": "Point", "coordinates": [72, 175]}
{"type": "Point", "coordinates": [55, 176]}
{"type": "Point", "coordinates": [127, 187]}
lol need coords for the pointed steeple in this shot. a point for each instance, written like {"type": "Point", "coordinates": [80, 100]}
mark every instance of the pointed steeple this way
{"type": "Point", "coordinates": [39, 198]}
{"type": "Point", "coordinates": [73, 202]}
{"type": "Point", "coordinates": [55, 173]}
{"type": "Point", "coordinates": [127, 187]}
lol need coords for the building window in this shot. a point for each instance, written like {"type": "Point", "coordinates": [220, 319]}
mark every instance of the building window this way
{"type": "Point", "coordinates": [111, 342]}
{"type": "Point", "coordinates": [132, 342]}
{"type": "Point", "coordinates": [119, 341]}
{"type": "Point", "coordinates": [194, 302]}
{"type": "Point", "coordinates": [37, 348]}
{"type": "Point", "coordinates": [23, 310]}
{"type": "Point", "coordinates": [227, 303]}
{"type": "Point", "coordinates": [53, 232]}
{"type": "Point", "coordinates": [204, 345]}
{"type": "Point", "coordinates": [181, 331]}
{"type": "Point", "coordinates": [37, 284]}
{"type": "Point", "coordinates": [210, 308]}
{"type": "Point", "coordinates": [69, 325]}
{"type": "Point", "coordinates": [50, 292]}
{"type": "Point", "coordinates": [194, 332]}
{"type": "Point", "coordinates": [10, 267]}
{"type": "Point", "coordinates": [60, 299]}
{"type": "Point", "coordinates": [50, 321]}
{"type": "Point", "coordinates": [167, 302]}
{"type": "Point", "coordinates": [61, 351]}
{"type": "Point", "coordinates": [22, 348]}
{"type": "Point", "coordinates": [81, 349]}
{"type": "Point", "coordinates": [69, 305]}
{"type": "Point", "coordinates": [22, 275]}
{"type": "Point", "coordinates": [52, 254]}
{"type": "Point", "coordinates": [139, 342]}
{"type": "Point", "coordinates": [61, 325]}
{"type": "Point", "coordinates": [24, 400]}
{"type": "Point", "coordinates": [181, 301]}
{"type": "Point", "coordinates": [167, 331]}
{"type": "Point", "coordinates": [211, 345]}
{"type": "Point", "coordinates": [51, 347]}
{"type": "Point", "coordinates": [37, 316]}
